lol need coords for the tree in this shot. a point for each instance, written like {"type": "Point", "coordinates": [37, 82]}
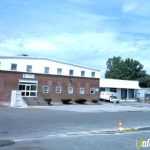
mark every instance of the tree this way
{"type": "Point", "coordinates": [145, 81]}
{"type": "Point", "coordinates": [115, 68]}
{"type": "Point", "coordinates": [127, 69]}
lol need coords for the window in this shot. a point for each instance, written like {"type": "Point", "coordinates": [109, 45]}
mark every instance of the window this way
{"type": "Point", "coordinates": [28, 89]}
{"type": "Point", "coordinates": [113, 90]}
{"type": "Point", "coordinates": [147, 96]}
{"type": "Point", "coordinates": [27, 94]}
{"type": "Point", "coordinates": [131, 93]}
{"type": "Point", "coordinates": [14, 67]}
{"type": "Point", "coordinates": [23, 94]}
{"type": "Point", "coordinates": [71, 72]}
{"type": "Point", "coordinates": [21, 87]}
{"type": "Point", "coordinates": [82, 73]}
{"type": "Point", "coordinates": [29, 68]}
{"type": "Point", "coordinates": [59, 71]}
{"type": "Point", "coordinates": [92, 74]}
{"type": "Point", "coordinates": [70, 90]}
{"type": "Point", "coordinates": [58, 89]}
{"type": "Point", "coordinates": [82, 91]}
{"type": "Point", "coordinates": [92, 91]}
{"type": "Point", "coordinates": [46, 70]}
{"type": "Point", "coordinates": [33, 87]}
{"type": "Point", "coordinates": [32, 94]}
{"type": "Point", "coordinates": [102, 89]}
{"type": "Point", "coordinates": [45, 88]}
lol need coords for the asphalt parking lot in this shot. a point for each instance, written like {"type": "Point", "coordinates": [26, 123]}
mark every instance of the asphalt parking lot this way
{"type": "Point", "coordinates": [44, 129]}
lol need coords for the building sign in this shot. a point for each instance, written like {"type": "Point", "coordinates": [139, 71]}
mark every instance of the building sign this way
{"type": "Point", "coordinates": [28, 76]}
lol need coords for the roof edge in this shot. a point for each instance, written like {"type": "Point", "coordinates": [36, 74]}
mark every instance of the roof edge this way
{"type": "Point", "coordinates": [48, 59]}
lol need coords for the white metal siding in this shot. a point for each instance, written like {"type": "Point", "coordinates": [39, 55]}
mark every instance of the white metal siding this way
{"type": "Point", "coordinates": [38, 66]}
{"type": "Point", "coordinates": [115, 83]}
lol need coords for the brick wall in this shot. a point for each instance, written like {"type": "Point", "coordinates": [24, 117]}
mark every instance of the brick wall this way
{"type": "Point", "coordinates": [9, 81]}
{"type": "Point", "coordinates": [64, 82]}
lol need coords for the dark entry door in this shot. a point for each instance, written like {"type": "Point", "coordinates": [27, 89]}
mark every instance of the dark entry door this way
{"type": "Point", "coordinates": [123, 93]}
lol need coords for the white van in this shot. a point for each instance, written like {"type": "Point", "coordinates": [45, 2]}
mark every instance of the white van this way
{"type": "Point", "coordinates": [109, 96]}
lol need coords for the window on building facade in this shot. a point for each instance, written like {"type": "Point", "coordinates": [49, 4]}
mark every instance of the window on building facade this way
{"type": "Point", "coordinates": [28, 89]}
{"type": "Point", "coordinates": [70, 90]}
{"type": "Point", "coordinates": [92, 91]}
{"type": "Point", "coordinates": [32, 94]}
{"type": "Point", "coordinates": [21, 87]}
{"type": "Point", "coordinates": [58, 89]}
{"type": "Point", "coordinates": [33, 88]}
{"type": "Point", "coordinates": [131, 93]}
{"type": "Point", "coordinates": [71, 72]}
{"type": "Point", "coordinates": [45, 89]}
{"type": "Point", "coordinates": [82, 73]}
{"type": "Point", "coordinates": [14, 67]}
{"type": "Point", "coordinates": [82, 91]}
{"type": "Point", "coordinates": [113, 90]}
{"type": "Point", "coordinates": [59, 71]}
{"type": "Point", "coordinates": [92, 74]}
{"type": "Point", "coordinates": [29, 68]}
{"type": "Point", "coordinates": [46, 70]}
{"type": "Point", "coordinates": [102, 89]}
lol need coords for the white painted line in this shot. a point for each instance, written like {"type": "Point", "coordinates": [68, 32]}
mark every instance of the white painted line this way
{"type": "Point", "coordinates": [83, 133]}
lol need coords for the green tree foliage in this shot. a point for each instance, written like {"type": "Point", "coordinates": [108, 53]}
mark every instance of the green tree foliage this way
{"type": "Point", "coordinates": [127, 69]}
{"type": "Point", "coordinates": [145, 81]}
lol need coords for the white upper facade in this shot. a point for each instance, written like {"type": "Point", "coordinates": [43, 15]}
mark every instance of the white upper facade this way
{"type": "Point", "coordinates": [46, 66]}
{"type": "Point", "coordinates": [120, 84]}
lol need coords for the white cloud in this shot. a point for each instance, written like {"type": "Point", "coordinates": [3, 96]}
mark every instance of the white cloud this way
{"type": "Point", "coordinates": [88, 41]}
{"type": "Point", "coordinates": [136, 7]}
{"type": "Point", "coordinates": [89, 48]}
{"type": "Point", "coordinates": [32, 45]}
{"type": "Point", "coordinates": [130, 6]}
{"type": "Point", "coordinates": [106, 41]}
{"type": "Point", "coordinates": [38, 44]}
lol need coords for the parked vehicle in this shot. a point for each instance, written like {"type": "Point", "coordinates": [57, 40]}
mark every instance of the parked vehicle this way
{"type": "Point", "coordinates": [109, 97]}
{"type": "Point", "coordinates": [114, 99]}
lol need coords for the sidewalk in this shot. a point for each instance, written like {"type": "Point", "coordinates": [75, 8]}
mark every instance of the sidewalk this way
{"type": "Point", "coordinates": [97, 108]}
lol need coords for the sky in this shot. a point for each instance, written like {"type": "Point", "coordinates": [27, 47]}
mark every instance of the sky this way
{"type": "Point", "coordinates": [85, 32]}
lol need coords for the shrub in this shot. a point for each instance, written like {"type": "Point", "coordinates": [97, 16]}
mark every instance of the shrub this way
{"type": "Point", "coordinates": [94, 101]}
{"type": "Point", "coordinates": [66, 101]}
{"type": "Point", "coordinates": [80, 101]}
{"type": "Point", "coordinates": [48, 100]}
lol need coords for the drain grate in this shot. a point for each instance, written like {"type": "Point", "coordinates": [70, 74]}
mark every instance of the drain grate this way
{"type": "Point", "coordinates": [6, 143]}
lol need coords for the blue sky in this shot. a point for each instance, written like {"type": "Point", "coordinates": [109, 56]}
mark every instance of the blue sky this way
{"type": "Point", "coordinates": [85, 32]}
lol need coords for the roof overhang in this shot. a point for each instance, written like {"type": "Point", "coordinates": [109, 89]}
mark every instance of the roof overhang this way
{"type": "Point", "coordinates": [121, 84]}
